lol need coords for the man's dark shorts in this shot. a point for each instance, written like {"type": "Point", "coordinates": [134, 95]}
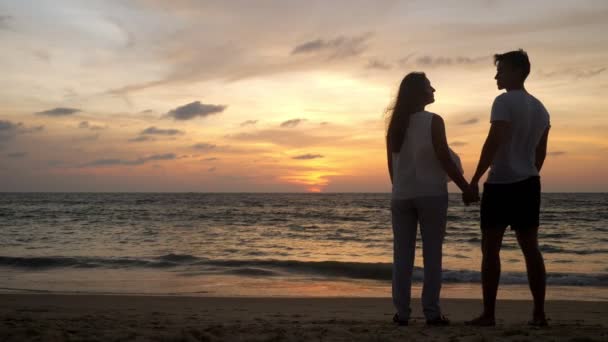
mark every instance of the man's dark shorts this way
{"type": "Point", "coordinates": [515, 204]}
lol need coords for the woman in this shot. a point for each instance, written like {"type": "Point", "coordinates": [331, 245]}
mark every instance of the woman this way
{"type": "Point", "coordinates": [418, 160]}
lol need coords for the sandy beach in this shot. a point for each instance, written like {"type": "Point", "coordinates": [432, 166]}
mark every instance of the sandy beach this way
{"type": "Point", "coordinates": [45, 317]}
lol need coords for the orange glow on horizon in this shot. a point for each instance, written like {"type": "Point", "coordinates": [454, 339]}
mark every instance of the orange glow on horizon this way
{"type": "Point", "coordinates": [314, 179]}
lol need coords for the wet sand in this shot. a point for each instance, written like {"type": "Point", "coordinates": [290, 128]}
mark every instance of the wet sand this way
{"type": "Point", "coordinates": [46, 317]}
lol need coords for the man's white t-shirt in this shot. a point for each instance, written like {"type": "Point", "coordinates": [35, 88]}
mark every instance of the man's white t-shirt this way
{"type": "Point", "coordinates": [515, 159]}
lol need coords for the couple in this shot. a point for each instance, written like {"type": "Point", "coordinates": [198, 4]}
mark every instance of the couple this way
{"type": "Point", "coordinates": [419, 160]}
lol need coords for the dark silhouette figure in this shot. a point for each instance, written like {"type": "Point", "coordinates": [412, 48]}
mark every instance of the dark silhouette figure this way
{"type": "Point", "coordinates": [515, 149]}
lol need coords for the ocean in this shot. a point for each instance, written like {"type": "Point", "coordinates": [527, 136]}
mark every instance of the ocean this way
{"type": "Point", "coordinates": [256, 244]}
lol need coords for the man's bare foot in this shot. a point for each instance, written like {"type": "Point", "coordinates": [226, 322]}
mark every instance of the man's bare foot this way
{"type": "Point", "coordinates": [538, 321]}
{"type": "Point", "coordinates": [482, 321]}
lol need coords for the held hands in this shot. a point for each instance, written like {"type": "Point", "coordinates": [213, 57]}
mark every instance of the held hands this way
{"type": "Point", "coordinates": [471, 194]}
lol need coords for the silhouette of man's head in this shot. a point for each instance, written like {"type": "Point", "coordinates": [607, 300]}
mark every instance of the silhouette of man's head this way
{"type": "Point", "coordinates": [512, 69]}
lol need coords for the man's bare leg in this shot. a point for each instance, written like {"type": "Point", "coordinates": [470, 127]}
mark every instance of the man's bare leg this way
{"type": "Point", "coordinates": [491, 241]}
{"type": "Point", "coordinates": [535, 265]}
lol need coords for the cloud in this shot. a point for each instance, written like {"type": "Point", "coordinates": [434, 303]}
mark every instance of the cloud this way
{"type": "Point", "coordinates": [4, 19]}
{"type": "Point", "coordinates": [129, 36]}
{"type": "Point", "coordinates": [42, 55]}
{"type": "Point", "coordinates": [53, 163]}
{"type": "Point", "coordinates": [212, 169]}
{"type": "Point", "coordinates": [292, 138]}
{"type": "Point", "coordinates": [138, 161]}
{"type": "Point", "coordinates": [589, 73]}
{"type": "Point", "coordinates": [557, 153]}
{"type": "Point", "coordinates": [142, 138]}
{"type": "Point", "coordinates": [26, 130]}
{"type": "Point", "coordinates": [378, 64]}
{"type": "Point", "coordinates": [458, 143]}
{"type": "Point", "coordinates": [86, 125]}
{"type": "Point", "coordinates": [471, 121]}
{"type": "Point", "coordinates": [211, 159]}
{"type": "Point", "coordinates": [248, 123]}
{"type": "Point", "coordinates": [430, 61]}
{"type": "Point", "coordinates": [166, 156]}
{"type": "Point", "coordinates": [16, 155]}
{"type": "Point", "coordinates": [85, 138]}
{"type": "Point", "coordinates": [291, 123]}
{"type": "Point", "coordinates": [572, 73]}
{"type": "Point", "coordinates": [204, 146]}
{"type": "Point", "coordinates": [404, 60]}
{"type": "Point", "coordinates": [307, 156]}
{"type": "Point", "coordinates": [158, 131]}
{"type": "Point", "coordinates": [226, 149]}
{"type": "Point", "coordinates": [9, 130]}
{"type": "Point", "coordinates": [59, 111]}
{"type": "Point", "coordinates": [153, 130]}
{"type": "Point", "coordinates": [107, 162]}
{"type": "Point", "coordinates": [195, 109]}
{"type": "Point", "coordinates": [336, 48]}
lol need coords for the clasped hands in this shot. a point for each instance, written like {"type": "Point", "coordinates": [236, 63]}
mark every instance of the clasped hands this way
{"type": "Point", "coordinates": [471, 194]}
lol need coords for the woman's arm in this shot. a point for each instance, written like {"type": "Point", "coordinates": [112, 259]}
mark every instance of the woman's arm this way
{"type": "Point", "coordinates": [389, 158]}
{"type": "Point", "coordinates": [442, 151]}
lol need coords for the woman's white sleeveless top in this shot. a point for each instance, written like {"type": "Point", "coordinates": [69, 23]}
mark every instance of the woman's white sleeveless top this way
{"type": "Point", "coordinates": [416, 170]}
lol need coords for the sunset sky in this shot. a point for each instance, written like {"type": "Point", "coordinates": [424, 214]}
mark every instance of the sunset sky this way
{"type": "Point", "coordinates": [271, 96]}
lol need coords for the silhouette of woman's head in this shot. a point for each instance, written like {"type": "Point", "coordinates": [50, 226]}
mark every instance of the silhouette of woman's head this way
{"type": "Point", "coordinates": [415, 92]}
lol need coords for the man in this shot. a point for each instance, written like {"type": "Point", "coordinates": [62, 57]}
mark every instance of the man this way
{"type": "Point", "coordinates": [515, 149]}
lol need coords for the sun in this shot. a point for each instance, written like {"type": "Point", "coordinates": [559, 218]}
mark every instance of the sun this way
{"type": "Point", "coordinates": [314, 181]}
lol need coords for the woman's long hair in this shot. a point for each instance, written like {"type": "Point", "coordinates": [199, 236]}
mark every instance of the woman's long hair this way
{"type": "Point", "coordinates": [409, 99]}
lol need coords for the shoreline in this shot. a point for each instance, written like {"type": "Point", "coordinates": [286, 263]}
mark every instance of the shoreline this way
{"type": "Point", "coordinates": [322, 289]}
{"type": "Point", "coordinates": [60, 317]}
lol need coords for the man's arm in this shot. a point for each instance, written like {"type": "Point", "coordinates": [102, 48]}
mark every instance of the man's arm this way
{"type": "Point", "coordinates": [499, 132]}
{"type": "Point", "coordinates": [389, 158]}
{"type": "Point", "coordinates": [442, 152]}
{"type": "Point", "coordinates": [541, 149]}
